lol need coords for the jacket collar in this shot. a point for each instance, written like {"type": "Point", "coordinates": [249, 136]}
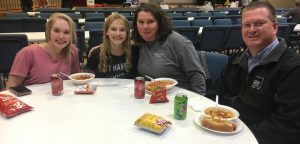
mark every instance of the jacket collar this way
{"type": "Point", "coordinates": [273, 56]}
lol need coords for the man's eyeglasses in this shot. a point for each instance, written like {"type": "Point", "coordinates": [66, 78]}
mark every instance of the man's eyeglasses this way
{"type": "Point", "coordinates": [256, 25]}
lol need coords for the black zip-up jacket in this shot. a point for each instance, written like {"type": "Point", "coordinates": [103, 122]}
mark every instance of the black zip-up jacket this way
{"type": "Point", "coordinates": [268, 98]}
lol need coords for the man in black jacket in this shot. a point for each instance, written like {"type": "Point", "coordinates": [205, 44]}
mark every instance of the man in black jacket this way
{"type": "Point", "coordinates": [263, 83]}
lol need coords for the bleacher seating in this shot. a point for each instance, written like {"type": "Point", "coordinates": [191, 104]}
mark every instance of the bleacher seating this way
{"type": "Point", "coordinates": [96, 37]}
{"type": "Point", "coordinates": [16, 15]}
{"type": "Point", "coordinates": [8, 25]}
{"type": "Point", "coordinates": [201, 22]}
{"type": "Point", "coordinates": [93, 25]}
{"type": "Point", "coordinates": [88, 15]}
{"type": "Point", "coordinates": [95, 17]}
{"type": "Point", "coordinates": [181, 23]}
{"type": "Point", "coordinates": [190, 32]}
{"type": "Point", "coordinates": [222, 22]}
{"type": "Point", "coordinates": [212, 38]}
{"type": "Point", "coordinates": [33, 24]}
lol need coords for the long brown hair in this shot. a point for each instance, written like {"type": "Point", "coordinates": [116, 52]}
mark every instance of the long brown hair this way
{"type": "Point", "coordinates": [105, 48]}
{"type": "Point", "coordinates": [67, 50]}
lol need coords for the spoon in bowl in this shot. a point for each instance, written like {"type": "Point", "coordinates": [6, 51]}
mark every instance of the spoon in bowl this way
{"type": "Point", "coordinates": [217, 100]}
{"type": "Point", "coordinates": [64, 75]}
{"type": "Point", "coordinates": [151, 79]}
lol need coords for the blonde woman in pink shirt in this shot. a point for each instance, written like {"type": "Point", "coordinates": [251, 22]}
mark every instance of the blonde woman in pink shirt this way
{"type": "Point", "coordinates": [36, 63]}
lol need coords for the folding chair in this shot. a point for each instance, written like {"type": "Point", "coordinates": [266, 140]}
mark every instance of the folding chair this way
{"type": "Point", "coordinates": [10, 44]}
{"type": "Point", "coordinates": [211, 38]}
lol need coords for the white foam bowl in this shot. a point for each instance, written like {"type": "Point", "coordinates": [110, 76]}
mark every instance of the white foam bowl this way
{"type": "Point", "coordinates": [168, 87]}
{"type": "Point", "coordinates": [226, 108]}
{"type": "Point", "coordinates": [83, 81]}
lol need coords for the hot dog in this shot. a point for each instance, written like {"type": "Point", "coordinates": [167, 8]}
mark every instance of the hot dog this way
{"type": "Point", "coordinates": [218, 124]}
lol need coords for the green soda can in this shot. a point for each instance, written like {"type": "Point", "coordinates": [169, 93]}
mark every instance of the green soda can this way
{"type": "Point", "coordinates": [180, 106]}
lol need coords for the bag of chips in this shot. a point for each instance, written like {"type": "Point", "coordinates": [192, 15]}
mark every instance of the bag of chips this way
{"type": "Point", "coordinates": [10, 105]}
{"type": "Point", "coordinates": [159, 95]}
{"type": "Point", "coordinates": [152, 123]}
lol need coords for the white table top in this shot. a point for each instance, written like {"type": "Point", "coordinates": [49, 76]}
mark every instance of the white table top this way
{"type": "Point", "coordinates": [107, 117]}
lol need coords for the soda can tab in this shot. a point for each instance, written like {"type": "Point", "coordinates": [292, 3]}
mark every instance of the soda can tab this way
{"type": "Point", "coordinates": [56, 85]}
{"type": "Point", "coordinates": [139, 87]}
{"type": "Point", "coordinates": [180, 106]}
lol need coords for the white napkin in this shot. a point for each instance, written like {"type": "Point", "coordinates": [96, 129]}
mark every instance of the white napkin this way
{"type": "Point", "coordinates": [199, 103]}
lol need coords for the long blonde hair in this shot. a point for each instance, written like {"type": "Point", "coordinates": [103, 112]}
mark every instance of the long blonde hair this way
{"type": "Point", "coordinates": [105, 48]}
{"type": "Point", "coordinates": [67, 50]}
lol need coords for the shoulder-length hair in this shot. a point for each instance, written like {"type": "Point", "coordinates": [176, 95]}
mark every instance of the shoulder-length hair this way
{"type": "Point", "coordinates": [163, 20]}
{"type": "Point", "coordinates": [67, 52]}
{"type": "Point", "coordinates": [105, 47]}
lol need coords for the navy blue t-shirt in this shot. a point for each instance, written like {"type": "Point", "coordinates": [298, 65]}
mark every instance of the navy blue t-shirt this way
{"type": "Point", "coordinates": [116, 66]}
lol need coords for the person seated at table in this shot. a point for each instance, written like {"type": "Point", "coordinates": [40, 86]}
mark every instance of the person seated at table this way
{"type": "Point", "coordinates": [164, 52]}
{"type": "Point", "coordinates": [42, 3]}
{"type": "Point", "coordinates": [113, 58]}
{"type": "Point", "coordinates": [263, 82]}
{"type": "Point", "coordinates": [207, 7]}
{"type": "Point", "coordinates": [36, 63]}
{"type": "Point", "coordinates": [294, 13]}
{"type": "Point", "coordinates": [26, 5]}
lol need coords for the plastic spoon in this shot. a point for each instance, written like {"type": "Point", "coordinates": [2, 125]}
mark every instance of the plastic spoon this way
{"type": "Point", "coordinates": [217, 100]}
{"type": "Point", "coordinates": [64, 74]}
{"type": "Point", "coordinates": [151, 79]}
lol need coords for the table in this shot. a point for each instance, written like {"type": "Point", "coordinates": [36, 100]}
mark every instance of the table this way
{"type": "Point", "coordinates": [107, 117]}
{"type": "Point", "coordinates": [297, 28]}
{"type": "Point", "coordinates": [40, 36]}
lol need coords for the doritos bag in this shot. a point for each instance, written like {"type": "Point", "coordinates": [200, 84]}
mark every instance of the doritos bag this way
{"type": "Point", "coordinates": [159, 95]}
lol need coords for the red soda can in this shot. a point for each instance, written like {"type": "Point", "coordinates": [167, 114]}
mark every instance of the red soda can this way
{"type": "Point", "coordinates": [56, 85]}
{"type": "Point", "coordinates": [139, 87]}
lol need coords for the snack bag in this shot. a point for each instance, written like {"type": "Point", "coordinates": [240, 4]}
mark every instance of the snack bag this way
{"type": "Point", "coordinates": [10, 106]}
{"type": "Point", "coordinates": [152, 123]}
{"type": "Point", "coordinates": [85, 89]}
{"type": "Point", "coordinates": [159, 95]}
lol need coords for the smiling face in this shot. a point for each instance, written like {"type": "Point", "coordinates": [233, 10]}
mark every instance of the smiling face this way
{"type": "Point", "coordinates": [60, 34]}
{"type": "Point", "coordinates": [147, 26]}
{"type": "Point", "coordinates": [258, 30]}
{"type": "Point", "coordinates": [116, 33]}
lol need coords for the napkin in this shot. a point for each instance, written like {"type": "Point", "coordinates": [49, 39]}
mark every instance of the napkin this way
{"type": "Point", "coordinates": [199, 103]}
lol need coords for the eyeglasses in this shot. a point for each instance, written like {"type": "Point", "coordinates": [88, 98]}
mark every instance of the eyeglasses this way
{"type": "Point", "coordinates": [256, 25]}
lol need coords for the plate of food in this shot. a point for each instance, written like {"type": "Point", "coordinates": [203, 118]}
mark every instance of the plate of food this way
{"type": "Point", "coordinates": [168, 82]}
{"type": "Point", "coordinates": [218, 125]}
{"type": "Point", "coordinates": [222, 112]}
{"type": "Point", "coordinates": [81, 78]}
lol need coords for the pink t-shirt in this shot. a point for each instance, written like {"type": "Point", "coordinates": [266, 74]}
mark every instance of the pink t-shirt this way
{"type": "Point", "coordinates": [37, 65]}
